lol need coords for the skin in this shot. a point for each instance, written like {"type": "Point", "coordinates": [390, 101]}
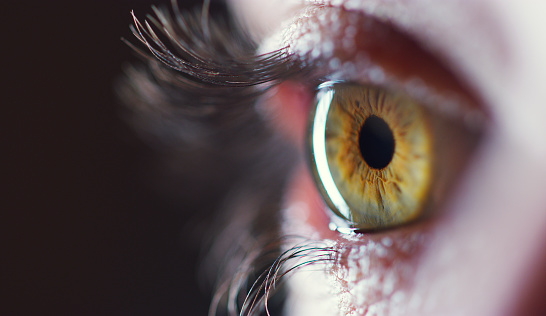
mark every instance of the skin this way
{"type": "Point", "coordinates": [483, 254]}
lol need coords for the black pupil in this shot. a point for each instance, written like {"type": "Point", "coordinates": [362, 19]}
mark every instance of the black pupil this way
{"type": "Point", "coordinates": [376, 142]}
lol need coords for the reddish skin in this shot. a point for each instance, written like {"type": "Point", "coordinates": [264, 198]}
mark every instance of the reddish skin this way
{"type": "Point", "coordinates": [391, 49]}
{"type": "Point", "coordinates": [289, 109]}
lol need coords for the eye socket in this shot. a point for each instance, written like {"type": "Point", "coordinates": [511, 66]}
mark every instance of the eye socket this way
{"type": "Point", "coordinates": [380, 158]}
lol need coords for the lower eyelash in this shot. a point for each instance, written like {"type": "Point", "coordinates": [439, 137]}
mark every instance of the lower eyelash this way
{"type": "Point", "coordinates": [260, 287]}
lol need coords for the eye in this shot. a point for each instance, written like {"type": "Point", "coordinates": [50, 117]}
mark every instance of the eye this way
{"type": "Point", "coordinates": [392, 127]}
{"type": "Point", "coordinates": [381, 158]}
{"type": "Point", "coordinates": [371, 154]}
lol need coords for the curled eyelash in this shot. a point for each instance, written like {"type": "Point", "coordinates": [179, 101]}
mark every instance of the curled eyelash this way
{"type": "Point", "coordinates": [202, 80]}
{"type": "Point", "coordinates": [247, 258]}
{"type": "Point", "coordinates": [266, 284]}
{"type": "Point", "coordinates": [289, 261]}
{"type": "Point", "coordinates": [197, 93]}
{"type": "Point", "coordinates": [214, 53]}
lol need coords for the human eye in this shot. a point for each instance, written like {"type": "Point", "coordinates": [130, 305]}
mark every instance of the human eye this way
{"type": "Point", "coordinates": [363, 258]}
{"type": "Point", "coordinates": [448, 120]}
{"type": "Point", "coordinates": [380, 157]}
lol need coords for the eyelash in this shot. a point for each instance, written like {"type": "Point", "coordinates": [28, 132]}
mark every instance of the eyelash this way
{"type": "Point", "coordinates": [198, 92]}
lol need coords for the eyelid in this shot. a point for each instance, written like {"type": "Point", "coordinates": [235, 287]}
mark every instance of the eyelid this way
{"type": "Point", "coordinates": [353, 46]}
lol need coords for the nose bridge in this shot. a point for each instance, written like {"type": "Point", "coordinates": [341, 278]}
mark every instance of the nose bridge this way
{"type": "Point", "coordinates": [489, 246]}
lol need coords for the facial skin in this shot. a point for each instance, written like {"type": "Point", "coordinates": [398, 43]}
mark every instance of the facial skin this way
{"type": "Point", "coordinates": [484, 253]}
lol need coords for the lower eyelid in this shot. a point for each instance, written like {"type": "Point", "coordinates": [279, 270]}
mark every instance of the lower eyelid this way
{"type": "Point", "coordinates": [374, 267]}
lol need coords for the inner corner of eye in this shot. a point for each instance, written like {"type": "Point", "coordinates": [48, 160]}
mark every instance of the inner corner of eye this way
{"type": "Point", "coordinates": [373, 154]}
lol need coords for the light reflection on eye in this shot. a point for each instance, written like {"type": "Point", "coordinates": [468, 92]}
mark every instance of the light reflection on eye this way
{"type": "Point", "coordinates": [376, 153]}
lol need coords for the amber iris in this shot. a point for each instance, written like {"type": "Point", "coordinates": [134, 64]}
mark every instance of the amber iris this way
{"type": "Point", "coordinates": [371, 154]}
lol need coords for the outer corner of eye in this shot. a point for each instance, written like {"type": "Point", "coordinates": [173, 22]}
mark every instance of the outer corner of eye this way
{"type": "Point", "coordinates": [377, 155]}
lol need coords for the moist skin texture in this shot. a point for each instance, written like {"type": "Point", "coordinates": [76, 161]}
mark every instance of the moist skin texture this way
{"type": "Point", "coordinates": [483, 253]}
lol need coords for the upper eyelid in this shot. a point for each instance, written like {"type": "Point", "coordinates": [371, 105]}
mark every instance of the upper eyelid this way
{"type": "Point", "coordinates": [450, 30]}
{"type": "Point", "coordinates": [422, 74]}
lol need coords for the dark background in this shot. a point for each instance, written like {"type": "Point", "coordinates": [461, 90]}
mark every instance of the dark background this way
{"type": "Point", "coordinates": [85, 225]}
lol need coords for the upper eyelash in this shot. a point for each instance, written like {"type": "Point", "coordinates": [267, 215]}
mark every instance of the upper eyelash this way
{"type": "Point", "coordinates": [207, 77]}
{"type": "Point", "coordinates": [203, 73]}
{"type": "Point", "coordinates": [210, 52]}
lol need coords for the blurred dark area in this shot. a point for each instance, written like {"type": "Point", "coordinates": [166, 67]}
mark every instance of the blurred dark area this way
{"type": "Point", "coordinates": [85, 229]}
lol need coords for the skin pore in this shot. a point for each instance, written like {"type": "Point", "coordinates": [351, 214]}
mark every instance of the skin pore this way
{"type": "Point", "coordinates": [484, 252]}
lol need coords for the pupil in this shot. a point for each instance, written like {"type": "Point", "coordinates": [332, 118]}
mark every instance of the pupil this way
{"type": "Point", "coordinates": [376, 142]}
